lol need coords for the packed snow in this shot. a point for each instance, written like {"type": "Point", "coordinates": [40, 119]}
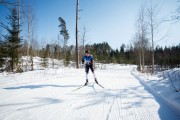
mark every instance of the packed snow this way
{"type": "Point", "coordinates": [165, 84]}
{"type": "Point", "coordinates": [52, 94]}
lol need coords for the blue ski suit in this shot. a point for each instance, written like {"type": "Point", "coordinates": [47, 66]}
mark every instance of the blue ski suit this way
{"type": "Point", "coordinates": [88, 61]}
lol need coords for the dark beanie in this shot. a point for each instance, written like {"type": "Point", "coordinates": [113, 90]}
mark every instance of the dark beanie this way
{"type": "Point", "coordinates": [86, 51]}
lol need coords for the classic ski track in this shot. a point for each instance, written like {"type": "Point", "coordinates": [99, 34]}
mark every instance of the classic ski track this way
{"type": "Point", "coordinates": [119, 110]}
{"type": "Point", "coordinates": [116, 104]}
{"type": "Point", "coordinates": [109, 109]}
{"type": "Point", "coordinates": [90, 111]}
{"type": "Point", "coordinates": [90, 99]}
{"type": "Point", "coordinates": [146, 108]}
{"type": "Point", "coordinates": [64, 107]}
{"type": "Point", "coordinates": [120, 100]}
{"type": "Point", "coordinates": [131, 109]}
{"type": "Point", "coordinates": [143, 112]}
{"type": "Point", "coordinates": [79, 102]}
{"type": "Point", "coordinates": [86, 98]}
{"type": "Point", "coordinates": [131, 100]}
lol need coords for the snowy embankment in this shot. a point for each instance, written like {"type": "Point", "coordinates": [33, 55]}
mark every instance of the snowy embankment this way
{"type": "Point", "coordinates": [165, 85]}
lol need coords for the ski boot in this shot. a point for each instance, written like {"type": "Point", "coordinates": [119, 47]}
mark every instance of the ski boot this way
{"type": "Point", "coordinates": [86, 83]}
{"type": "Point", "coordinates": [96, 81]}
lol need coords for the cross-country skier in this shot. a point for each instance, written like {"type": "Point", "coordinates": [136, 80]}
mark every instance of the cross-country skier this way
{"type": "Point", "coordinates": [87, 60]}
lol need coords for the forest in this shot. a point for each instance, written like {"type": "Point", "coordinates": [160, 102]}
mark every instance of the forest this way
{"type": "Point", "coordinates": [141, 51]}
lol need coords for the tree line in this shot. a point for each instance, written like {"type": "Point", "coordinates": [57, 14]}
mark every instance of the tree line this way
{"type": "Point", "coordinates": [142, 50]}
{"type": "Point", "coordinates": [165, 58]}
{"type": "Point", "coordinates": [147, 36]}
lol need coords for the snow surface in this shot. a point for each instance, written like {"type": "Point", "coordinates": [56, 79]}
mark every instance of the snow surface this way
{"type": "Point", "coordinates": [48, 95]}
{"type": "Point", "coordinates": [165, 84]}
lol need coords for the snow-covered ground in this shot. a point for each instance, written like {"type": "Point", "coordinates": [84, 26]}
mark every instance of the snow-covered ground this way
{"type": "Point", "coordinates": [49, 95]}
{"type": "Point", "coordinates": [165, 84]}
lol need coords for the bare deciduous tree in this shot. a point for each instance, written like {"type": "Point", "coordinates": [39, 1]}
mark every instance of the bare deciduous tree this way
{"type": "Point", "coordinates": [176, 14]}
{"type": "Point", "coordinates": [83, 41]}
{"type": "Point", "coordinates": [153, 23]}
{"type": "Point", "coordinates": [141, 41]}
{"type": "Point", "coordinates": [84, 37]}
{"type": "Point", "coordinates": [29, 20]}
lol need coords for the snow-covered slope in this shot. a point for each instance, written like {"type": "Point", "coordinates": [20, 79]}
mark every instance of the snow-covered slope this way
{"type": "Point", "coordinates": [49, 95]}
{"type": "Point", "coordinates": [165, 85]}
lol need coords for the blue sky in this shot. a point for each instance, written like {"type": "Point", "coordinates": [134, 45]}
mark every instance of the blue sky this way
{"type": "Point", "coordinates": [112, 21]}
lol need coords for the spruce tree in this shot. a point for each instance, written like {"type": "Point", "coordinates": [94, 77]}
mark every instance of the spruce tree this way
{"type": "Point", "coordinates": [12, 42]}
{"type": "Point", "coordinates": [1, 54]}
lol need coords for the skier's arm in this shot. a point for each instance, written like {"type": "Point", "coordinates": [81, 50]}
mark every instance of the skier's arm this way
{"type": "Point", "coordinates": [82, 60]}
{"type": "Point", "coordinates": [92, 60]}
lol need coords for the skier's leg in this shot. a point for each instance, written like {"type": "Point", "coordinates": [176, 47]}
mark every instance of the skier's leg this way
{"type": "Point", "coordinates": [91, 67]}
{"type": "Point", "coordinates": [87, 71]}
{"type": "Point", "coordinates": [94, 75]}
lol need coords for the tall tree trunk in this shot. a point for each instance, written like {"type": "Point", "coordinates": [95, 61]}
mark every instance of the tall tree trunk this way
{"type": "Point", "coordinates": [143, 59]}
{"type": "Point", "coordinates": [18, 26]}
{"type": "Point", "coordinates": [140, 61]}
{"type": "Point", "coordinates": [152, 37]}
{"type": "Point", "coordinates": [77, 51]}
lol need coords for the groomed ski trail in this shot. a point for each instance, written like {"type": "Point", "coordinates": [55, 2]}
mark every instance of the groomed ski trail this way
{"type": "Point", "coordinates": [124, 98]}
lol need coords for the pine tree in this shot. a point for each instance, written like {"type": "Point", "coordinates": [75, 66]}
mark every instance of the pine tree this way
{"type": "Point", "coordinates": [12, 42]}
{"type": "Point", "coordinates": [44, 56]}
{"type": "Point", "coordinates": [65, 34]}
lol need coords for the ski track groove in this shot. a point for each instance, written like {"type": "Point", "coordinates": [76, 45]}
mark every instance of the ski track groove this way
{"type": "Point", "coordinates": [65, 107]}
{"type": "Point", "coordinates": [99, 108]}
{"type": "Point", "coordinates": [57, 112]}
{"type": "Point", "coordinates": [122, 114]}
{"type": "Point", "coordinates": [109, 111]}
{"type": "Point", "coordinates": [91, 107]}
{"type": "Point", "coordinates": [103, 104]}
{"type": "Point", "coordinates": [131, 100]}
{"type": "Point", "coordinates": [86, 102]}
{"type": "Point", "coordinates": [135, 115]}
{"type": "Point", "coordinates": [86, 98]}
{"type": "Point", "coordinates": [119, 111]}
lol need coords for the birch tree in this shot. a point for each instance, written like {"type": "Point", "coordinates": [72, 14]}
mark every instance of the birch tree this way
{"type": "Point", "coordinates": [141, 37]}
{"type": "Point", "coordinates": [153, 24]}
{"type": "Point", "coordinates": [29, 21]}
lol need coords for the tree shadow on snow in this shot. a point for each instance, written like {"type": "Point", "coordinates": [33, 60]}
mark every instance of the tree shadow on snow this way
{"type": "Point", "coordinates": [37, 102]}
{"type": "Point", "coordinates": [166, 112]}
{"type": "Point", "coordinates": [39, 86]}
{"type": "Point", "coordinates": [102, 96]}
{"type": "Point", "coordinates": [129, 97]}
